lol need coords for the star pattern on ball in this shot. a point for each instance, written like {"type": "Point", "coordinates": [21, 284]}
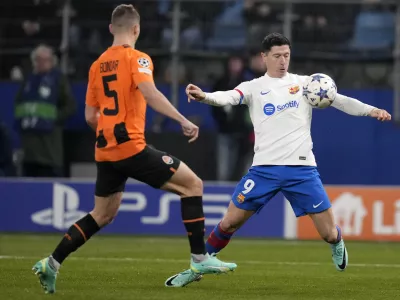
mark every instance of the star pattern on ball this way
{"type": "Point", "coordinates": [317, 78]}
{"type": "Point", "coordinates": [322, 93]}
{"type": "Point", "coordinates": [306, 92]}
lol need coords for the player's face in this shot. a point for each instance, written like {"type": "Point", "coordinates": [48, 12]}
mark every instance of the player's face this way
{"type": "Point", "coordinates": [277, 60]}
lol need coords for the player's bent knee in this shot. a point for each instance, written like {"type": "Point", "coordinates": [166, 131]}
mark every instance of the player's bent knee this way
{"type": "Point", "coordinates": [194, 187]}
{"type": "Point", "coordinates": [184, 183]}
{"type": "Point", "coordinates": [106, 209]}
{"type": "Point", "coordinates": [103, 219]}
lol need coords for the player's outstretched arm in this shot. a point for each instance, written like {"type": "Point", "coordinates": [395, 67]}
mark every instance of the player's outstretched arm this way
{"type": "Point", "coordinates": [355, 107]}
{"type": "Point", "coordinates": [195, 93]}
{"type": "Point", "coordinates": [157, 101]}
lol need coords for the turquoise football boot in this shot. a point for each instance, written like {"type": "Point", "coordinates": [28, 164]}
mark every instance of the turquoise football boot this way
{"type": "Point", "coordinates": [182, 279]}
{"type": "Point", "coordinates": [339, 256]}
{"type": "Point", "coordinates": [211, 265]}
{"type": "Point", "coordinates": [47, 275]}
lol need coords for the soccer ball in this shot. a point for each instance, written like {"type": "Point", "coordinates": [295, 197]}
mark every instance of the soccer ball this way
{"type": "Point", "coordinates": [319, 90]}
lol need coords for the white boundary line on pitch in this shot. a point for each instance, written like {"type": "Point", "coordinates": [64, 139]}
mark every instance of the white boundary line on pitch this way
{"type": "Point", "coordinates": [164, 260]}
{"type": "Point", "coordinates": [179, 239]}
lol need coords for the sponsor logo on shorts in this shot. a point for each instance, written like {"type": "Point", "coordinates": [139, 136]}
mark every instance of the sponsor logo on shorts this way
{"type": "Point", "coordinates": [240, 198]}
{"type": "Point", "coordinates": [168, 160]}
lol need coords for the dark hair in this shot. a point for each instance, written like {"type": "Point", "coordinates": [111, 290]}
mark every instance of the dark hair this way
{"type": "Point", "coordinates": [274, 39]}
{"type": "Point", "coordinates": [124, 14]}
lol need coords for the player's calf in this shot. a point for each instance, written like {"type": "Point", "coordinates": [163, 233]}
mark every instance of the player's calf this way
{"type": "Point", "coordinates": [193, 219]}
{"type": "Point", "coordinates": [218, 239]}
{"type": "Point", "coordinates": [221, 235]}
{"type": "Point", "coordinates": [104, 211]}
{"type": "Point", "coordinates": [223, 232]}
{"type": "Point", "coordinates": [75, 237]}
{"type": "Point", "coordinates": [332, 234]}
{"type": "Point", "coordinates": [190, 187]}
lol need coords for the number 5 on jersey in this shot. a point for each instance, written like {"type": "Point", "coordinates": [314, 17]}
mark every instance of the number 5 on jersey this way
{"type": "Point", "coordinates": [110, 94]}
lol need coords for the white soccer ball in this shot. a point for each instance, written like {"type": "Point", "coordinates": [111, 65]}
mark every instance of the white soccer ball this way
{"type": "Point", "coordinates": [319, 90]}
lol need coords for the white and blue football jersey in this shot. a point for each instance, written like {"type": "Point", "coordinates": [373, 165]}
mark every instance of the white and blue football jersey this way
{"type": "Point", "coordinates": [281, 117]}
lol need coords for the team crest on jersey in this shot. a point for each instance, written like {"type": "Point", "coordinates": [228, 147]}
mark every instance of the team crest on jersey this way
{"type": "Point", "coordinates": [144, 62]}
{"type": "Point", "coordinates": [168, 159]}
{"type": "Point", "coordinates": [294, 89]}
{"type": "Point", "coordinates": [240, 198]}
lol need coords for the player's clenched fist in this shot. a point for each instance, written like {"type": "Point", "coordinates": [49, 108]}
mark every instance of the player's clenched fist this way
{"type": "Point", "coordinates": [194, 93]}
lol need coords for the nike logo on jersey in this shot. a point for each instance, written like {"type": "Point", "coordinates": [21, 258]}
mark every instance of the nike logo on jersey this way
{"type": "Point", "coordinates": [265, 93]}
{"type": "Point", "coordinates": [315, 206]}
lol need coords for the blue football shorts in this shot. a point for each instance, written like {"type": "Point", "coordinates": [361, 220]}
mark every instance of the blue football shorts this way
{"type": "Point", "coordinates": [301, 186]}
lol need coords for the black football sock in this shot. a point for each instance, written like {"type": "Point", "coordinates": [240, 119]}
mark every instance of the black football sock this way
{"type": "Point", "coordinates": [193, 218]}
{"type": "Point", "coordinates": [76, 236]}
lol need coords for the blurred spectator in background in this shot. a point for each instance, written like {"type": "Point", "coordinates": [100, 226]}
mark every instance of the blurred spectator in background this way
{"type": "Point", "coordinates": [196, 22]}
{"type": "Point", "coordinates": [256, 66]}
{"type": "Point", "coordinates": [374, 27]}
{"type": "Point", "coordinates": [234, 126]}
{"type": "Point", "coordinates": [6, 157]}
{"type": "Point", "coordinates": [42, 104]}
{"type": "Point", "coordinates": [26, 24]}
{"type": "Point", "coordinates": [261, 18]}
{"type": "Point", "coordinates": [311, 26]}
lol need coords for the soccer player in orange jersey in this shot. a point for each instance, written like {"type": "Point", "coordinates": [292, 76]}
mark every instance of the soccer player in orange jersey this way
{"type": "Point", "coordinates": [120, 87]}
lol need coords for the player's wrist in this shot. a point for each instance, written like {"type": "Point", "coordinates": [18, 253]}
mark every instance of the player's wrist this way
{"type": "Point", "coordinates": [372, 110]}
{"type": "Point", "coordinates": [181, 120]}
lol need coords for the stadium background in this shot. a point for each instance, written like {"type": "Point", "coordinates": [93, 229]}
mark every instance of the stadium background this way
{"type": "Point", "coordinates": [356, 42]}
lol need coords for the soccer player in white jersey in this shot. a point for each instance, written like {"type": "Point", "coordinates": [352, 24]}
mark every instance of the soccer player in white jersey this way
{"type": "Point", "coordinates": [283, 159]}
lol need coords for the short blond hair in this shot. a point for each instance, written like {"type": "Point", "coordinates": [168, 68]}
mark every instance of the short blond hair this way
{"type": "Point", "coordinates": [43, 48]}
{"type": "Point", "coordinates": [124, 16]}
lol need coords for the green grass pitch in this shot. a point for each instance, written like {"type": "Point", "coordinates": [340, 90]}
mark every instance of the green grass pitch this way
{"type": "Point", "coordinates": [131, 267]}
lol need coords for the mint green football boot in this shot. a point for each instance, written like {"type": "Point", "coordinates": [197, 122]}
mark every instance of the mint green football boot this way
{"type": "Point", "coordinates": [339, 256]}
{"type": "Point", "coordinates": [182, 279]}
{"type": "Point", "coordinates": [47, 275]}
{"type": "Point", "coordinates": [211, 265]}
